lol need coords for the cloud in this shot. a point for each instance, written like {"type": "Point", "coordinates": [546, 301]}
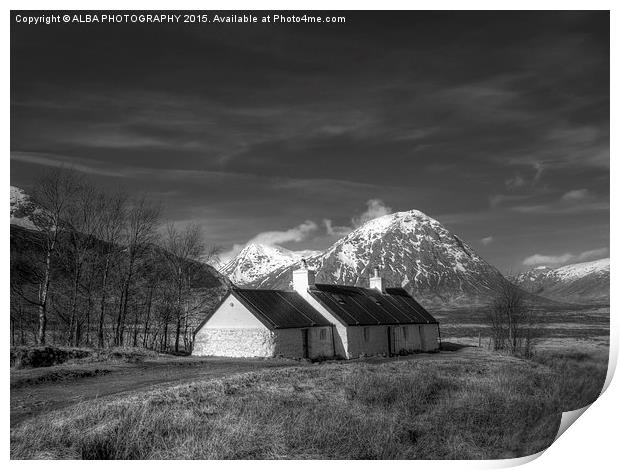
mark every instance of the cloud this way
{"type": "Point", "coordinates": [487, 240]}
{"type": "Point", "coordinates": [593, 254]}
{"type": "Point", "coordinates": [497, 200]}
{"type": "Point", "coordinates": [295, 234]}
{"type": "Point", "coordinates": [376, 208]}
{"type": "Point", "coordinates": [538, 259]}
{"type": "Point", "coordinates": [337, 230]}
{"type": "Point", "coordinates": [273, 237]}
{"type": "Point", "coordinates": [515, 182]}
{"type": "Point", "coordinates": [573, 202]}
{"type": "Point", "coordinates": [518, 181]}
{"type": "Point", "coordinates": [576, 195]}
{"type": "Point", "coordinates": [539, 169]}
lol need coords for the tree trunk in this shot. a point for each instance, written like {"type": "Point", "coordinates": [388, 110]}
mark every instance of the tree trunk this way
{"type": "Point", "coordinates": [73, 324]}
{"type": "Point", "coordinates": [43, 295]}
{"type": "Point", "coordinates": [100, 342]}
{"type": "Point", "coordinates": [122, 314]}
{"type": "Point", "coordinates": [179, 310]}
{"type": "Point", "coordinates": [148, 317]}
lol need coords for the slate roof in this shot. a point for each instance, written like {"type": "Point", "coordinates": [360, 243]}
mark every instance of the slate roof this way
{"type": "Point", "coordinates": [359, 306]}
{"type": "Point", "coordinates": [280, 309]}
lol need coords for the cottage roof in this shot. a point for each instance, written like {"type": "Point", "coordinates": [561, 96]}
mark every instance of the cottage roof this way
{"type": "Point", "coordinates": [359, 306]}
{"type": "Point", "coordinates": [280, 309]}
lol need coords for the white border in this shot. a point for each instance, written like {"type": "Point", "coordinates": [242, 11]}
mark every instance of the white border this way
{"type": "Point", "coordinates": [591, 443]}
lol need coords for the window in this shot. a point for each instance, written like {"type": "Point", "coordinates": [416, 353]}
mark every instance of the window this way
{"type": "Point", "coordinates": [323, 334]}
{"type": "Point", "coordinates": [405, 333]}
{"type": "Point", "coordinates": [366, 334]}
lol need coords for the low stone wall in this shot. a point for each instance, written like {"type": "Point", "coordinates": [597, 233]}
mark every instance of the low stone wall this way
{"type": "Point", "coordinates": [234, 342]}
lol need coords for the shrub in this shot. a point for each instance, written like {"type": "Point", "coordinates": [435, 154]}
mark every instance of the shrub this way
{"type": "Point", "coordinates": [45, 356]}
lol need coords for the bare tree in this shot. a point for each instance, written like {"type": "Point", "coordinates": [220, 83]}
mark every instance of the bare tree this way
{"type": "Point", "coordinates": [138, 234]}
{"type": "Point", "coordinates": [48, 211]}
{"type": "Point", "coordinates": [113, 216]}
{"type": "Point", "coordinates": [512, 320]}
{"type": "Point", "coordinates": [83, 221]}
{"type": "Point", "coordinates": [181, 247]}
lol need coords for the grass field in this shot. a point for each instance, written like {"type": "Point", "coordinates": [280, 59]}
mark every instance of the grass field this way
{"type": "Point", "coordinates": [466, 403]}
{"type": "Point", "coordinates": [469, 406]}
{"type": "Point", "coordinates": [557, 327]}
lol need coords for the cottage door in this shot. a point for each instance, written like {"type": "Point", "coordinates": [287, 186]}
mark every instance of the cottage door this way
{"type": "Point", "coordinates": [304, 342]}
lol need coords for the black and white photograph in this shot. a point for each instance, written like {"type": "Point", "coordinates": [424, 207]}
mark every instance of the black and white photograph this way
{"type": "Point", "coordinates": [306, 235]}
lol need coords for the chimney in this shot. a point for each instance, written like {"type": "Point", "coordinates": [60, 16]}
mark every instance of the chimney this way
{"type": "Point", "coordinates": [376, 281]}
{"type": "Point", "coordinates": [303, 278]}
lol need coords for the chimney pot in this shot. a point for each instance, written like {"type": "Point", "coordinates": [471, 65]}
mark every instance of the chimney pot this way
{"type": "Point", "coordinates": [376, 281]}
{"type": "Point", "coordinates": [303, 278]}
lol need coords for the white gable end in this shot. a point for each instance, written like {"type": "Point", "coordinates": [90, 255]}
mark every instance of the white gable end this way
{"type": "Point", "coordinates": [233, 314]}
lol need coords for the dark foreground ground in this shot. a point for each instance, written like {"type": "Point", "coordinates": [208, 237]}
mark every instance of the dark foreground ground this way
{"type": "Point", "coordinates": [38, 391]}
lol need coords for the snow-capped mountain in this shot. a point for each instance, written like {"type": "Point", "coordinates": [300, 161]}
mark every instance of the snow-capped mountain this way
{"type": "Point", "coordinates": [413, 251]}
{"type": "Point", "coordinates": [256, 260]}
{"type": "Point", "coordinates": [19, 200]}
{"type": "Point", "coordinates": [579, 283]}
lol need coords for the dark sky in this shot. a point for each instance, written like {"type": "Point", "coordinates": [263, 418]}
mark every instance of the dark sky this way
{"type": "Point", "coordinates": [495, 124]}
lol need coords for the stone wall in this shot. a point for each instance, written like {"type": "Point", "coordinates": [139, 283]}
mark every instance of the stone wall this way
{"type": "Point", "coordinates": [430, 337]}
{"type": "Point", "coordinates": [321, 347]}
{"type": "Point", "coordinates": [289, 342]}
{"type": "Point", "coordinates": [235, 342]}
{"type": "Point", "coordinates": [373, 344]}
{"type": "Point", "coordinates": [406, 338]}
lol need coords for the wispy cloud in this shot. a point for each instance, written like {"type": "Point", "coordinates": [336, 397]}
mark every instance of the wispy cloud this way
{"type": "Point", "coordinates": [51, 160]}
{"type": "Point", "coordinates": [576, 195]}
{"type": "Point", "coordinates": [274, 237]}
{"type": "Point", "coordinates": [375, 208]}
{"type": "Point", "coordinates": [335, 230]}
{"type": "Point", "coordinates": [565, 258]}
{"type": "Point", "coordinates": [572, 202]}
{"type": "Point", "coordinates": [487, 240]}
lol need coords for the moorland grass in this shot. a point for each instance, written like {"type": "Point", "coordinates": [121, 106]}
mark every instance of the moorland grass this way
{"type": "Point", "coordinates": [490, 407]}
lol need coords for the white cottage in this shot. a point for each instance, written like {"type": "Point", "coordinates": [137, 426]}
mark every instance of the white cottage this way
{"type": "Point", "coordinates": [373, 321]}
{"type": "Point", "coordinates": [264, 323]}
{"type": "Point", "coordinates": [317, 320]}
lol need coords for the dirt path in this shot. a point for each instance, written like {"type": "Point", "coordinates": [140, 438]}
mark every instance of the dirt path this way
{"type": "Point", "coordinates": [38, 391]}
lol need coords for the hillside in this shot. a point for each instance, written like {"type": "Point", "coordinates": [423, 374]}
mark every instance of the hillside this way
{"type": "Point", "coordinates": [19, 200]}
{"type": "Point", "coordinates": [579, 283]}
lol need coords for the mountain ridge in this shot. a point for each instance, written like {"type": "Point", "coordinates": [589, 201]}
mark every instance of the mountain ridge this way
{"type": "Point", "coordinates": [413, 251]}
{"type": "Point", "coordinates": [579, 282]}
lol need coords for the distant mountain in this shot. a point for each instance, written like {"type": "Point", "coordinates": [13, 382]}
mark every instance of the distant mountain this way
{"type": "Point", "coordinates": [256, 261]}
{"type": "Point", "coordinates": [19, 201]}
{"type": "Point", "coordinates": [577, 283]}
{"type": "Point", "coordinates": [413, 251]}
